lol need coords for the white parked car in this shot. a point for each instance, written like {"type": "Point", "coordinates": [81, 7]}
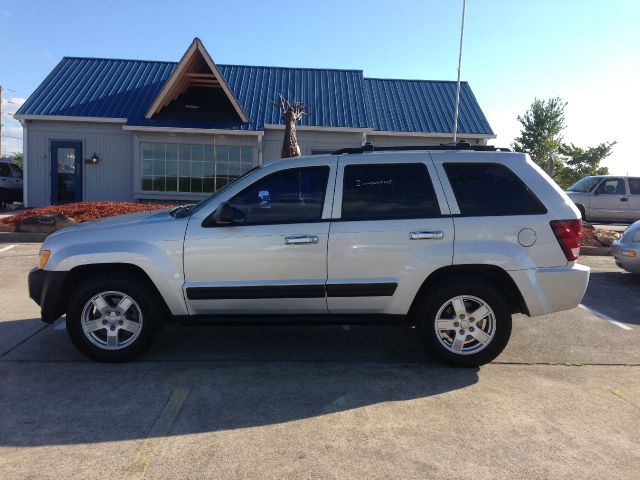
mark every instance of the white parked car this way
{"type": "Point", "coordinates": [607, 198]}
{"type": "Point", "coordinates": [450, 240]}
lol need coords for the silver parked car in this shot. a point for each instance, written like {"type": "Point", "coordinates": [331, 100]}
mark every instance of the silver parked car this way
{"type": "Point", "coordinates": [607, 198]}
{"type": "Point", "coordinates": [450, 240]}
{"type": "Point", "coordinates": [10, 183]}
{"type": "Point", "coordinates": [626, 250]}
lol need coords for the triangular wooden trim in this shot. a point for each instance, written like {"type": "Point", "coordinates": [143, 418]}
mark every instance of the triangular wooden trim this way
{"type": "Point", "coordinates": [162, 100]}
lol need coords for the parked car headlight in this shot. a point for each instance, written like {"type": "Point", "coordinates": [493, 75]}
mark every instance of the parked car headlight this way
{"type": "Point", "coordinates": [44, 258]}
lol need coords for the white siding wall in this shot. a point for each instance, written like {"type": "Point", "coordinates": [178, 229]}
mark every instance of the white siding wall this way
{"type": "Point", "coordinates": [415, 140]}
{"type": "Point", "coordinates": [117, 175]}
{"type": "Point", "coordinates": [110, 179]}
{"type": "Point", "coordinates": [308, 140]}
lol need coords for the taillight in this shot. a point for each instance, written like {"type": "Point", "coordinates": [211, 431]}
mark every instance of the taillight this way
{"type": "Point", "coordinates": [568, 234]}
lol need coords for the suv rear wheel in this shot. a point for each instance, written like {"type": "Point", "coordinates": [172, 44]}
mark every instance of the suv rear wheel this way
{"type": "Point", "coordinates": [464, 324]}
{"type": "Point", "coordinates": [113, 318]}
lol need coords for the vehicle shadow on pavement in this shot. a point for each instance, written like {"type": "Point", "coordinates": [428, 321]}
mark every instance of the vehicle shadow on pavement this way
{"type": "Point", "coordinates": [616, 294]}
{"type": "Point", "coordinates": [259, 376]}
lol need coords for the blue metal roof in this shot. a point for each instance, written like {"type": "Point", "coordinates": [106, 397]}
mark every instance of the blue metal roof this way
{"type": "Point", "coordinates": [91, 87]}
{"type": "Point", "coordinates": [422, 106]}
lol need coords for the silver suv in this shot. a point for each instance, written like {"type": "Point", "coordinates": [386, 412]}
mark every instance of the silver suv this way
{"type": "Point", "coordinates": [607, 198]}
{"type": "Point", "coordinates": [450, 240]}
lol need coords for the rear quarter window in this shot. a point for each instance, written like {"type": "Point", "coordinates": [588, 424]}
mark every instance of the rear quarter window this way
{"type": "Point", "coordinates": [634, 186]}
{"type": "Point", "coordinates": [491, 189]}
{"type": "Point", "coordinates": [388, 192]}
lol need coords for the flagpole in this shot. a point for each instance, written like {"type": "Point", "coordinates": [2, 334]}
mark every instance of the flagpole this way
{"type": "Point", "coordinates": [455, 116]}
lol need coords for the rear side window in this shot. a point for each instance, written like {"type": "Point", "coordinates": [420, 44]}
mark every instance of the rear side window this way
{"type": "Point", "coordinates": [491, 189]}
{"type": "Point", "coordinates": [388, 192]}
{"type": "Point", "coordinates": [634, 186]}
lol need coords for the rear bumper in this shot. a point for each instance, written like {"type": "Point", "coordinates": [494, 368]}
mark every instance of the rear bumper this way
{"type": "Point", "coordinates": [548, 290]}
{"type": "Point", "coordinates": [44, 288]}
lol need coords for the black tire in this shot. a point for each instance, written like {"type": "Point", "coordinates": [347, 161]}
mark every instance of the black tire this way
{"type": "Point", "coordinates": [436, 298]}
{"type": "Point", "coordinates": [582, 212]}
{"type": "Point", "coordinates": [138, 289]}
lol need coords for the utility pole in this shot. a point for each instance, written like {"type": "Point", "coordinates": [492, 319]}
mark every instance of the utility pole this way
{"type": "Point", "coordinates": [455, 115]}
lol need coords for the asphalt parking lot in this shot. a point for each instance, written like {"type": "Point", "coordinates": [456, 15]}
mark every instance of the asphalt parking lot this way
{"type": "Point", "coordinates": [562, 401]}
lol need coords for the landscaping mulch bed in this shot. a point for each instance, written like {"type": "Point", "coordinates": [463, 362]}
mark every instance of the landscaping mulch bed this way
{"type": "Point", "coordinates": [83, 211]}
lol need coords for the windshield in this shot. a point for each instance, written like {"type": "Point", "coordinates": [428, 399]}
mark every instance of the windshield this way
{"type": "Point", "coordinates": [185, 210]}
{"type": "Point", "coordinates": [584, 185]}
{"type": "Point", "coordinates": [17, 171]}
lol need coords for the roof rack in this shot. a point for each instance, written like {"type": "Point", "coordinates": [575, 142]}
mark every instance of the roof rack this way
{"type": "Point", "coordinates": [369, 147]}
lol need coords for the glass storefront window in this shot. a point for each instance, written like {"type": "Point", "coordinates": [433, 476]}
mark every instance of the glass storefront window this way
{"type": "Point", "coordinates": [171, 167]}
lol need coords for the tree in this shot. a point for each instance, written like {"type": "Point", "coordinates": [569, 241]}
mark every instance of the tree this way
{"type": "Point", "coordinates": [540, 135]}
{"type": "Point", "coordinates": [582, 162]}
{"type": "Point", "coordinates": [18, 159]}
{"type": "Point", "coordinates": [291, 113]}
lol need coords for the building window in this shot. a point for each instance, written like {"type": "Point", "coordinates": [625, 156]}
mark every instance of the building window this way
{"type": "Point", "coordinates": [173, 167]}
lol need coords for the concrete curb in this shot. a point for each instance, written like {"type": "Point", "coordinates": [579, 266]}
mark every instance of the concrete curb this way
{"type": "Point", "coordinates": [600, 251]}
{"type": "Point", "coordinates": [19, 237]}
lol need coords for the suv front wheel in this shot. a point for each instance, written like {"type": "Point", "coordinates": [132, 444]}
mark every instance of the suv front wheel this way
{"type": "Point", "coordinates": [464, 324]}
{"type": "Point", "coordinates": [113, 318]}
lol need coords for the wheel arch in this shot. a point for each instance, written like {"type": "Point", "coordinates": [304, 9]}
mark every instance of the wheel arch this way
{"type": "Point", "coordinates": [487, 273]}
{"type": "Point", "coordinates": [82, 273]}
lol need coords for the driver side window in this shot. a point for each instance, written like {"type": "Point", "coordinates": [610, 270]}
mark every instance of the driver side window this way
{"type": "Point", "coordinates": [289, 196]}
{"type": "Point", "coordinates": [612, 186]}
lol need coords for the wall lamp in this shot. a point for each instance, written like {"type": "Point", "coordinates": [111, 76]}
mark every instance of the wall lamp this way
{"type": "Point", "coordinates": [93, 160]}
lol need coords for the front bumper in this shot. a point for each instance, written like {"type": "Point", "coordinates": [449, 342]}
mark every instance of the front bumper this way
{"type": "Point", "coordinates": [548, 290]}
{"type": "Point", "coordinates": [630, 264]}
{"type": "Point", "coordinates": [45, 287]}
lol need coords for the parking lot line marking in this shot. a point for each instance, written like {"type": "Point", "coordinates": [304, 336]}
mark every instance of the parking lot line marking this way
{"type": "Point", "coordinates": [618, 393]}
{"type": "Point", "coordinates": [7, 248]}
{"type": "Point", "coordinates": [149, 446]}
{"type": "Point", "coordinates": [605, 317]}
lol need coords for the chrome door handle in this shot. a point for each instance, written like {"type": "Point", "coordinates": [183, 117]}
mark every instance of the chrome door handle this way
{"type": "Point", "coordinates": [432, 235]}
{"type": "Point", "coordinates": [301, 239]}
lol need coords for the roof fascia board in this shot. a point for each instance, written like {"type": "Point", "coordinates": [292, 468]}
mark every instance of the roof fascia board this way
{"type": "Point", "coordinates": [66, 118]}
{"type": "Point", "coordinates": [207, 131]}
{"type": "Point", "coordinates": [276, 126]}
{"type": "Point", "coordinates": [179, 71]}
{"type": "Point", "coordinates": [431, 134]}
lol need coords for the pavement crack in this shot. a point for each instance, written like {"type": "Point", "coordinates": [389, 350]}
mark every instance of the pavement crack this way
{"type": "Point", "coordinates": [618, 393]}
{"type": "Point", "coordinates": [363, 363]}
{"type": "Point", "coordinates": [567, 364]}
{"type": "Point", "coordinates": [22, 342]}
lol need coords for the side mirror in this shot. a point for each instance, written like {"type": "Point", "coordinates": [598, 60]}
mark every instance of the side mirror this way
{"type": "Point", "coordinates": [225, 214]}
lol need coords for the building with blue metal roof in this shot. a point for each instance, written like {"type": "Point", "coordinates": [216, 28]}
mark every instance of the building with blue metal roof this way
{"type": "Point", "coordinates": [127, 130]}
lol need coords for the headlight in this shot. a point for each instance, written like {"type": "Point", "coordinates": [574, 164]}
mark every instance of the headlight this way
{"type": "Point", "coordinates": [44, 258]}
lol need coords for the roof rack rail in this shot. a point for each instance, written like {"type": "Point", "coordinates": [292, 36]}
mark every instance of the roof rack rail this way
{"type": "Point", "coordinates": [369, 147]}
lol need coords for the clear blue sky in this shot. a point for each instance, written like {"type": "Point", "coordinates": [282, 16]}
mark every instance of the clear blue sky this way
{"type": "Point", "coordinates": [584, 51]}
